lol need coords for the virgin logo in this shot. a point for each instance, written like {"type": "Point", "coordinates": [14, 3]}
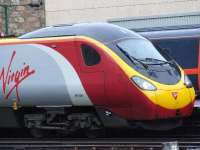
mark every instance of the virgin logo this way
{"type": "Point", "coordinates": [175, 95]}
{"type": "Point", "coordinates": [11, 79]}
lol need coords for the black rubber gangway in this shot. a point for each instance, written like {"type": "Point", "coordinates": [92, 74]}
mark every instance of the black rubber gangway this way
{"type": "Point", "coordinates": [100, 144]}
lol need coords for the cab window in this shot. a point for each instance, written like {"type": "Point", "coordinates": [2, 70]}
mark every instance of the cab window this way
{"type": "Point", "coordinates": [90, 55]}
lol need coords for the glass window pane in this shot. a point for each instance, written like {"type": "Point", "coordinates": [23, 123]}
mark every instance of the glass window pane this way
{"type": "Point", "coordinates": [90, 55]}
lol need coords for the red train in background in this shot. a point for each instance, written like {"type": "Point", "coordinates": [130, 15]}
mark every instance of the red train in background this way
{"type": "Point", "coordinates": [90, 76]}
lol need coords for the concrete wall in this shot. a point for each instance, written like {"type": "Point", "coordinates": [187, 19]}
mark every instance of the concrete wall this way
{"type": "Point", "coordinates": [73, 11]}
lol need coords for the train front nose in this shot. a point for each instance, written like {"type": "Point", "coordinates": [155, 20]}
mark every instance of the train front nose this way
{"type": "Point", "coordinates": [174, 103]}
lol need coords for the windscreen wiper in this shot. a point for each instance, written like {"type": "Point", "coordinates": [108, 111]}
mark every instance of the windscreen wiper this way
{"type": "Point", "coordinates": [151, 59]}
{"type": "Point", "coordinates": [139, 61]}
{"type": "Point", "coordinates": [133, 59]}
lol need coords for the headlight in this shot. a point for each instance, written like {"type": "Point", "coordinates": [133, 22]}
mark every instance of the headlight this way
{"type": "Point", "coordinates": [187, 82]}
{"type": "Point", "coordinates": [143, 84]}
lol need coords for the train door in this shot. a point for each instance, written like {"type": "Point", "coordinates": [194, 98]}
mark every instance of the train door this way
{"type": "Point", "coordinates": [91, 71]}
{"type": "Point", "coordinates": [186, 52]}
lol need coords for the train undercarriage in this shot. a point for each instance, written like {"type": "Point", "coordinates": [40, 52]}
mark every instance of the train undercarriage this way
{"type": "Point", "coordinates": [62, 120]}
{"type": "Point", "coordinates": [66, 121]}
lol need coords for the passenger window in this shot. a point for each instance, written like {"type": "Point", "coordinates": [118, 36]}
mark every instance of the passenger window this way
{"type": "Point", "coordinates": [90, 55]}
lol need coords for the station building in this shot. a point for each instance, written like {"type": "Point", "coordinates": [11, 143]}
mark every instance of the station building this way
{"type": "Point", "coordinates": [21, 16]}
{"type": "Point", "coordinates": [132, 14]}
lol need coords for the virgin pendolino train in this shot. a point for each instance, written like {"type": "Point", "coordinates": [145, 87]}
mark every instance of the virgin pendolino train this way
{"type": "Point", "coordinates": [90, 76]}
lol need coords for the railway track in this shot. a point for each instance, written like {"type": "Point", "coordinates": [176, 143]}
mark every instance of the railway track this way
{"type": "Point", "coordinates": [135, 140]}
{"type": "Point", "coordinates": [99, 144]}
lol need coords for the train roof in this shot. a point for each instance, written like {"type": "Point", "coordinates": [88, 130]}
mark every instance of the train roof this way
{"type": "Point", "coordinates": [168, 34]}
{"type": "Point", "coordinates": [103, 32]}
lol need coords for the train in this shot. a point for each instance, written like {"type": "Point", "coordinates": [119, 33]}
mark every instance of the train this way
{"type": "Point", "coordinates": [88, 77]}
{"type": "Point", "coordinates": [183, 45]}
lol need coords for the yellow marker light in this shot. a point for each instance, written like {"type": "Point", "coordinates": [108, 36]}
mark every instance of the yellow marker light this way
{"type": "Point", "coordinates": [15, 105]}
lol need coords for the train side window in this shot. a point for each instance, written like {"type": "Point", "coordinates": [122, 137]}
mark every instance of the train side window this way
{"type": "Point", "coordinates": [90, 55]}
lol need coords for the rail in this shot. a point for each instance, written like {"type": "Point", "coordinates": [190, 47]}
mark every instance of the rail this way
{"type": "Point", "coordinates": [99, 144]}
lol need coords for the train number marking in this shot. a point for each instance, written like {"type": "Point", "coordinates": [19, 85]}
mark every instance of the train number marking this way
{"type": "Point", "coordinates": [78, 95]}
{"type": "Point", "coordinates": [12, 79]}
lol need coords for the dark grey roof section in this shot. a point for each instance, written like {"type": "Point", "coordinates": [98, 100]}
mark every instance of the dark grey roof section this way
{"type": "Point", "coordinates": [169, 34]}
{"type": "Point", "coordinates": [163, 22]}
{"type": "Point", "coordinates": [167, 28]}
{"type": "Point", "coordinates": [103, 32]}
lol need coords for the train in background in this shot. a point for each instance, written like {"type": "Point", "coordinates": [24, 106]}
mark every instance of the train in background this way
{"type": "Point", "coordinates": [184, 46]}
{"type": "Point", "coordinates": [89, 77]}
